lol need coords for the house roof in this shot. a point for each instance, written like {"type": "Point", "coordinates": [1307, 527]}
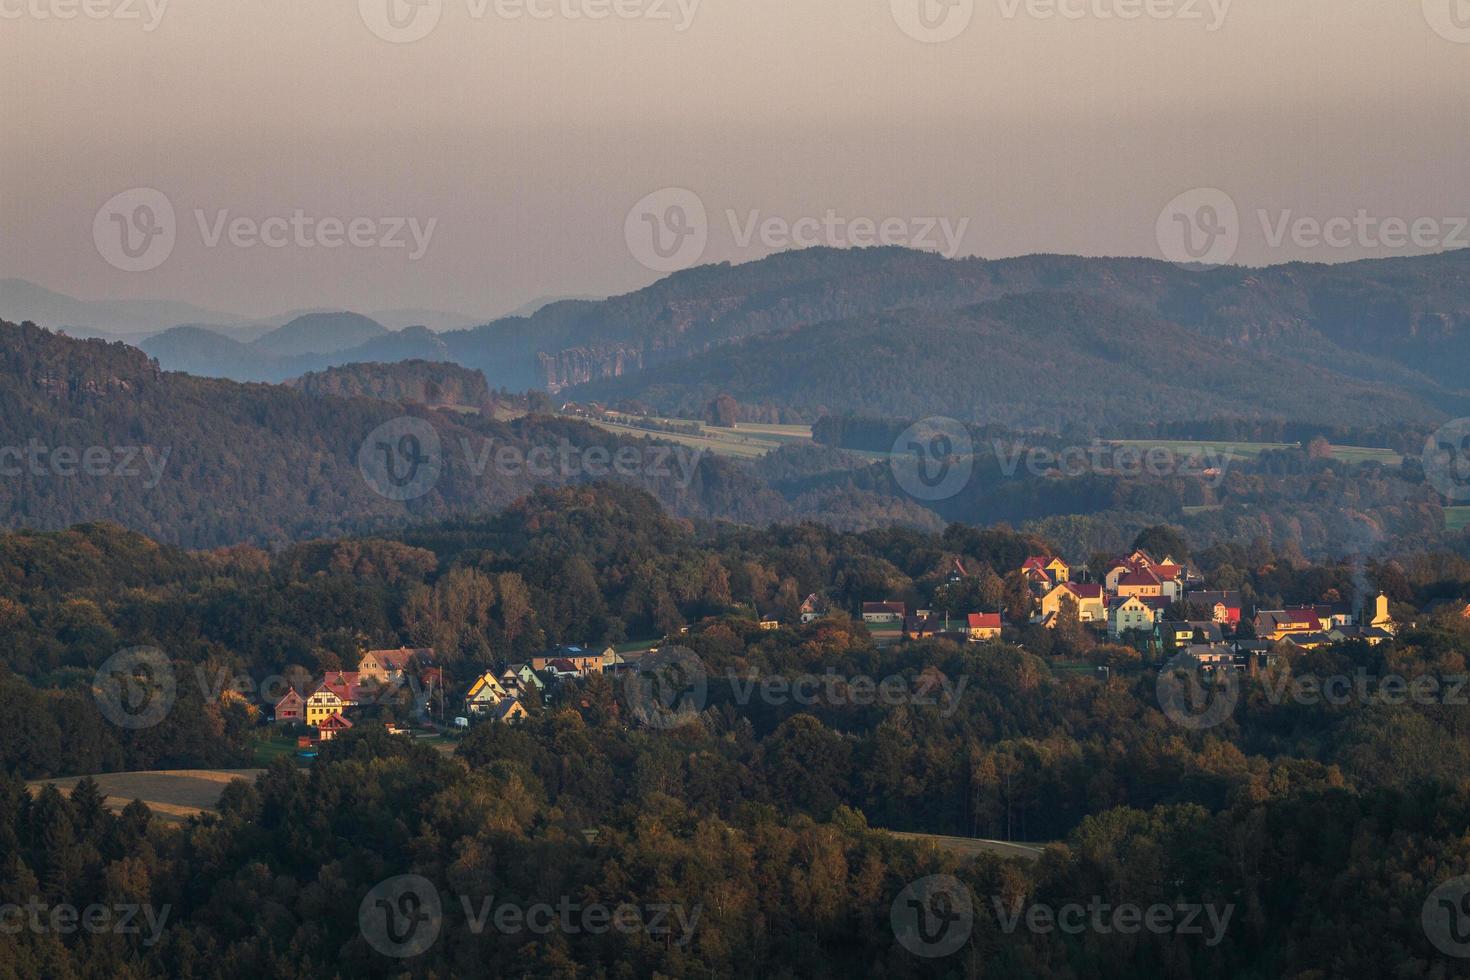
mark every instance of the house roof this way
{"type": "Point", "coordinates": [335, 722]}
{"type": "Point", "coordinates": [563, 664]}
{"type": "Point", "coordinates": [1139, 576]}
{"type": "Point", "coordinates": [343, 683]}
{"type": "Point", "coordinates": [1085, 590]}
{"type": "Point", "coordinates": [506, 707]}
{"type": "Point", "coordinates": [1230, 600]}
{"type": "Point", "coordinates": [983, 621]}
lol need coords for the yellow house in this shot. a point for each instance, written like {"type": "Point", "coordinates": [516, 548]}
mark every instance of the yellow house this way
{"type": "Point", "coordinates": [484, 694]}
{"type": "Point", "coordinates": [1130, 614]}
{"type": "Point", "coordinates": [322, 705]}
{"type": "Point", "coordinates": [1141, 582]}
{"type": "Point", "coordinates": [1089, 600]}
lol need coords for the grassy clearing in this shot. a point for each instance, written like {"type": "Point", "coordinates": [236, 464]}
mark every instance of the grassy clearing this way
{"type": "Point", "coordinates": [173, 795]}
{"type": "Point", "coordinates": [1457, 518]}
{"type": "Point", "coordinates": [745, 441]}
{"type": "Point", "coordinates": [972, 847]}
{"type": "Point", "coordinates": [1249, 450]}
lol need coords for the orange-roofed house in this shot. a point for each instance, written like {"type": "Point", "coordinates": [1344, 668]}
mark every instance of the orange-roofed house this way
{"type": "Point", "coordinates": [983, 627]}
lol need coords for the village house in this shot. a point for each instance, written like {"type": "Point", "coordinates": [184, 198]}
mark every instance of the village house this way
{"type": "Point", "coordinates": [770, 624]}
{"type": "Point", "coordinates": [1088, 598]}
{"type": "Point", "coordinates": [323, 704]}
{"type": "Point", "coordinates": [1044, 572]}
{"type": "Point", "coordinates": [813, 607]}
{"type": "Point", "coordinates": [921, 627]}
{"type": "Point", "coordinates": [583, 661]}
{"type": "Point", "coordinates": [525, 676]}
{"type": "Point", "coordinates": [1277, 624]}
{"type": "Point", "coordinates": [332, 726]}
{"type": "Point", "coordinates": [392, 666]}
{"type": "Point", "coordinates": [484, 694]}
{"type": "Point", "coordinates": [1132, 613]}
{"type": "Point", "coordinates": [884, 612]}
{"type": "Point", "coordinates": [510, 711]}
{"type": "Point", "coordinates": [982, 627]}
{"type": "Point", "coordinates": [1223, 607]}
{"type": "Point", "coordinates": [291, 708]}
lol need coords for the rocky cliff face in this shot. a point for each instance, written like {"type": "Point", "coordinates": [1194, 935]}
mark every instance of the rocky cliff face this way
{"type": "Point", "coordinates": [578, 365]}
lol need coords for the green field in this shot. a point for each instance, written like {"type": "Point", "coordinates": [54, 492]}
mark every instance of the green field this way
{"type": "Point", "coordinates": [1247, 450]}
{"type": "Point", "coordinates": [1457, 518]}
{"type": "Point", "coordinates": [748, 440]}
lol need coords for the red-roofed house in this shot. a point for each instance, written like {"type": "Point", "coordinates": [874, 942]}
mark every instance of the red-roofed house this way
{"type": "Point", "coordinates": [331, 727]}
{"type": "Point", "coordinates": [1088, 597]}
{"type": "Point", "coordinates": [982, 627]}
{"type": "Point", "coordinates": [1141, 582]}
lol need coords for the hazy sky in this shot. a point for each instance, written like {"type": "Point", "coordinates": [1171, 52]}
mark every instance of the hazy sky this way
{"type": "Point", "coordinates": [518, 144]}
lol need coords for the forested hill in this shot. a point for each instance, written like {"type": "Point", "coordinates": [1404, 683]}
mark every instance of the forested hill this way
{"type": "Point", "coordinates": [1403, 322]}
{"type": "Point", "coordinates": [91, 430]}
{"type": "Point", "coordinates": [1048, 360]}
